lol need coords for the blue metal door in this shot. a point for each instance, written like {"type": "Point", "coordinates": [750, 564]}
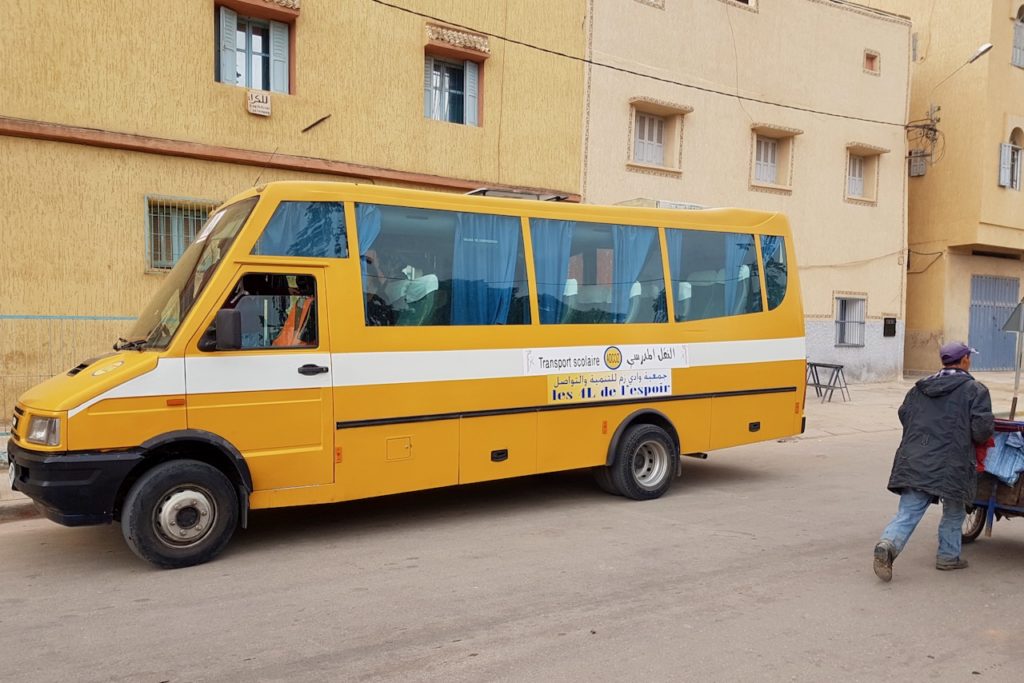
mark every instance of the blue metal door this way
{"type": "Point", "coordinates": [992, 301]}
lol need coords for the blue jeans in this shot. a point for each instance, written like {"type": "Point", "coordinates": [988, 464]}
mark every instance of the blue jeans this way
{"type": "Point", "coordinates": [913, 505]}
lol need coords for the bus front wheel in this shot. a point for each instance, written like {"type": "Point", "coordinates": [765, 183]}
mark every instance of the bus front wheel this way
{"type": "Point", "coordinates": [180, 513]}
{"type": "Point", "coordinates": [644, 463]}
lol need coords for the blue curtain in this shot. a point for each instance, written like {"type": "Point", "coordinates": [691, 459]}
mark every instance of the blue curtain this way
{"type": "Point", "coordinates": [674, 240]}
{"type": "Point", "coordinates": [552, 244]}
{"type": "Point", "coordinates": [630, 248]}
{"type": "Point", "coordinates": [738, 250]}
{"type": "Point", "coordinates": [368, 228]}
{"type": "Point", "coordinates": [483, 268]}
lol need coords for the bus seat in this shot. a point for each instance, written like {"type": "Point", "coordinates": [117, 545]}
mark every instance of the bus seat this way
{"type": "Point", "coordinates": [635, 295]}
{"type": "Point", "coordinates": [683, 299]}
{"type": "Point", "coordinates": [742, 290]}
{"type": "Point", "coordinates": [569, 293]}
{"type": "Point", "coordinates": [419, 300]}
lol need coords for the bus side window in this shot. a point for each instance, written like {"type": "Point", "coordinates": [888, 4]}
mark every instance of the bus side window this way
{"type": "Point", "coordinates": [314, 229]}
{"type": "Point", "coordinates": [277, 311]}
{"type": "Point", "coordinates": [597, 273]}
{"type": "Point", "coordinates": [427, 267]}
{"type": "Point", "coordinates": [773, 251]}
{"type": "Point", "coordinates": [714, 274]}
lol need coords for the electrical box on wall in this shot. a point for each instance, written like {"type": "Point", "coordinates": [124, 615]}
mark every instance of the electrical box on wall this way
{"type": "Point", "coordinates": [889, 327]}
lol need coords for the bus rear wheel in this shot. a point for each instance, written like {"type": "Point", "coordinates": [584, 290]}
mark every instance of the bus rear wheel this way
{"type": "Point", "coordinates": [644, 463]}
{"type": "Point", "coordinates": [180, 513]}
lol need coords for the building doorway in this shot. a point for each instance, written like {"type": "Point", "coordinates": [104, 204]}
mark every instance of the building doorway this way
{"type": "Point", "coordinates": [992, 301]}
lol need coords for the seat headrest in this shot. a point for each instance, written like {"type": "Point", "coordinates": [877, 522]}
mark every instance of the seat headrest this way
{"type": "Point", "coordinates": [685, 291]}
{"type": "Point", "coordinates": [420, 287]}
{"type": "Point", "coordinates": [571, 287]}
{"type": "Point", "coordinates": [635, 290]}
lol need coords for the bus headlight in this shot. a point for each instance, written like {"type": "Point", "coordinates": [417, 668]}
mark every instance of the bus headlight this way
{"type": "Point", "coordinates": [44, 431]}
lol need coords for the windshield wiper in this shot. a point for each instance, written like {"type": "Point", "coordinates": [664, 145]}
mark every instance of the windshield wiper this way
{"type": "Point", "coordinates": [129, 345]}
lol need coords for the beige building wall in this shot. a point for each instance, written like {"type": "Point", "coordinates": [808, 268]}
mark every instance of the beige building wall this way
{"type": "Point", "coordinates": [808, 55]}
{"type": "Point", "coordinates": [963, 225]}
{"type": "Point", "coordinates": [94, 119]}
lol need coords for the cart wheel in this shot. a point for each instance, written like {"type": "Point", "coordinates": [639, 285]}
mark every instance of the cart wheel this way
{"type": "Point", "coordinates": [974, 522]}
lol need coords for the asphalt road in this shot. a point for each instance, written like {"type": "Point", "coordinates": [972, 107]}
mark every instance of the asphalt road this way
{"type": "Point", "coordinates": [756, 566]}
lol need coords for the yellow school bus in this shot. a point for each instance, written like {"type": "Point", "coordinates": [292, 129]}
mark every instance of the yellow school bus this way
{"type": "Point", "coordinates": [324, 342]}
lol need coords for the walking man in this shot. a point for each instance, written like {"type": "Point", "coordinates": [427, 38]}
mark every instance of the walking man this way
{"type": "Point", "coordinates": [943, 417]}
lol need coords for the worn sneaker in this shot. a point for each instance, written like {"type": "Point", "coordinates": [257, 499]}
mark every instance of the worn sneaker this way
{"type": "Point", "coordinates": [947, 565]}
{"type": "Point", "coordinates": [884, 555]}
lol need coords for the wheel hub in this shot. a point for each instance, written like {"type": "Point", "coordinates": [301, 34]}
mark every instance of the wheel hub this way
{"type": "Point", "coordinates": [185, 516]}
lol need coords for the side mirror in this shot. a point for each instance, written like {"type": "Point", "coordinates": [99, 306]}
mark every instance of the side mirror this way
{"type": "Point", "coordinates": [229, 330]}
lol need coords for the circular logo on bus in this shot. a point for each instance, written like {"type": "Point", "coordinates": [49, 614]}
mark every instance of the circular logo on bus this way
{"type": "Point", "coordinates": [612, 357]}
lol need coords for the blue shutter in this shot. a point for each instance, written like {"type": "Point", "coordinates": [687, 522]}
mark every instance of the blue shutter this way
{"type": "Point", "coordinates": [228, 28]}
{"type": "Point", "coordinates": [428, 87]}
{"type": "Point", "coordinates": [1005, 154]}
{"type": "Point", "coordinates": [278, 57]}
{"type": "Point", "coordinates": [472, 93]}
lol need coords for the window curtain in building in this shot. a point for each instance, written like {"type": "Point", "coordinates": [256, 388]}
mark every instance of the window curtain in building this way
{"type": "Point", "coordinates": [630, 247]}
{"type": "Point", "coordinates": [737, 252]}
{"type": "Point", "coordinates": [552, 245]}
{"type": "Point", "coordinates": [483, 268]}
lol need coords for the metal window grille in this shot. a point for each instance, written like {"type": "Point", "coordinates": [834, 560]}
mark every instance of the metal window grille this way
{"type": "Point", "coordinates": [855, 179]}
{"type": "Point", "coordinates": [649, 147]}
{"type": "Point", "coordinates": [171, 225]}
{"type": "Point", "coordinates": [849, 321]}
{"type": "Point", "coordinates": [765, 169]}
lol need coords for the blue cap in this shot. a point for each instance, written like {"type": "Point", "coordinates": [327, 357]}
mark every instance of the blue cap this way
{"type": "Point", "coordinates": [954, 351]}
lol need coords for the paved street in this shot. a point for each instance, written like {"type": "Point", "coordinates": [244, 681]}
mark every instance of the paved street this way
{"type": "Point", "coordinates": [756, 566]}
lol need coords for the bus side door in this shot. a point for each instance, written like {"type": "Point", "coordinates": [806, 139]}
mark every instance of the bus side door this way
{"type": "Point", "coordinates": [271, 398]}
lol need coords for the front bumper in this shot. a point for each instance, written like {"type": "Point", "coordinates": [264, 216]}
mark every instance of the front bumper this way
{"type": "Point", "coordinates": [73, 489]}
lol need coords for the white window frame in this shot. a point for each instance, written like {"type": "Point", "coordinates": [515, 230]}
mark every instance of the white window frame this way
{"type": "Point", "coordinates": [1010, 159]}
{"type": "Point", "coordinates": [855, 176]}
{"type": "Point", "coordinates": [184, 217]}
{"type": "Point", "coordinates": [649, 139]}
{"type": "Point", "coordinates": [1017, 57]}
{"type": "Point", "coordinates": [277, 51]}
{"type": "Point", "coordinates": [436, 90]}
{"type": "Point", "coordinates": [766, 155]}
{"type": "Point", "coordinates": [851, 320]}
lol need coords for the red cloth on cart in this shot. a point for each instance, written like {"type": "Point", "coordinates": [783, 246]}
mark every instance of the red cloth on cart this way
{"type": "Point", "coordinates": [980, 452]}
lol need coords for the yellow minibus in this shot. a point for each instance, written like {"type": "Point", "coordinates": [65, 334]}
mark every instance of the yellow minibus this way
{"type": "Point", "coordinates": [324, 342]}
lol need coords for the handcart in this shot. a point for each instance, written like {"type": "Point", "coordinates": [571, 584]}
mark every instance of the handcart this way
{"type": "Point", "coordinates": [994, 500]}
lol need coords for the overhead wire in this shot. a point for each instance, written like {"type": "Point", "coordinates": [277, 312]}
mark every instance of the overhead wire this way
{"type": "Point", "coordinates": [632, 72]}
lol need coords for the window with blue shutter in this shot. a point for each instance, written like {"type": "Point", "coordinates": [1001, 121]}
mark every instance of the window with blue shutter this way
{"type": "Point", "coordinates": [451, 90]}
{"type": "Point", "coordinates": [252, 52]}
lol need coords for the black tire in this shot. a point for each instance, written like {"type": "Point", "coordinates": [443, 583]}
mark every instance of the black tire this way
{"type": "Point", "coordinates": [645, 462]}
{"type": "Point", "coordinates": [974, 522]}
{"type": "Point", "coordinates": [603, 477]}
{"type": "Point", "coordinates": [185, 498]}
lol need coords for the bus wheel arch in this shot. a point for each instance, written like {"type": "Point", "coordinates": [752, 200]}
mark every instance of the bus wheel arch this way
{"type": "Point", "coordinates": [645, 416]}
{"type": "Point", "coordinates": [193, 444]}
{"type": "Point", "coordinates": [642, 457]}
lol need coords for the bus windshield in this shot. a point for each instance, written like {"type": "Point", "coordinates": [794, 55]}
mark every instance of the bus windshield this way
{"type": "Point", "coordinates": [158, 322]}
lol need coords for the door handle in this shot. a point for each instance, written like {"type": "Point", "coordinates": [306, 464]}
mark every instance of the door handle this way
{"type": "Point", "coordinates": [310, 369]}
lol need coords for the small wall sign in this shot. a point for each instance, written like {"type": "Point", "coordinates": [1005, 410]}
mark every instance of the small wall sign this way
{"type": "Point", "coordinates": [258, 102]}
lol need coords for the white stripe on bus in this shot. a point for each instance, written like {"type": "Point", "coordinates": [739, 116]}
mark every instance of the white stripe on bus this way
{"type": "Point", "coordinates": [279, 371]}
